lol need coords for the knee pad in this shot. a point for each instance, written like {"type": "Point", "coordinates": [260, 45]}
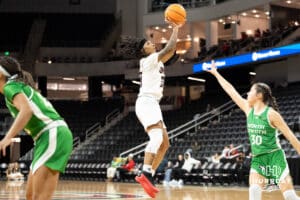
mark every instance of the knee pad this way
{"type": "Point", "coordinates": [156, 139]}
{"type": "Point", "coordinates": [254, 192]}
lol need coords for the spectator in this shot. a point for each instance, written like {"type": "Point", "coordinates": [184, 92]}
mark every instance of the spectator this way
{"type": "Point", "coordinates": [215, 158]}
{"type": "Point", "coordinates": [225, 152]}
{"type": "Point", "coordinates": [195, 147]}
{"type": "Point", "coordinates": [111, 171]}
{"type": "Point", "coordinates": [178, 165]}
{"type": "Point", "coordinates": [178, 174]}
{"type": "Point", "coordinates": [128, 167]}
{"type": "Point", "coordinates": [257, 33]}
{"type": "Point", "coordinates": [233, 150]}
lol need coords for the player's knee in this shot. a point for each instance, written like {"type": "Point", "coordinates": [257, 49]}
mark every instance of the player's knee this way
{"type": "Point", "coordinates": [156, 139]}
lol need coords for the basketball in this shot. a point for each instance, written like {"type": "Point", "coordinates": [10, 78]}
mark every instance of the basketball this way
{"type": "Point", "coordinates": [176, 14]}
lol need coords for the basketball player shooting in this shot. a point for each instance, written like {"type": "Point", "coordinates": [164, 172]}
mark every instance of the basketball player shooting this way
{"type": "Point", "coordinates": [147, 107]}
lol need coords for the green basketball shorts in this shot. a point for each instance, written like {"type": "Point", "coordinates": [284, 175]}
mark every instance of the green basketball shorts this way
{"type": "Point", "coordinates": [272, 166]}
{"type": "Point", "coordinates": [53, 149]}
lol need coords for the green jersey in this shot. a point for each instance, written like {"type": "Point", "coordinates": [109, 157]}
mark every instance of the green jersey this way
{"type": "Point", "coordinates": [262, 135]}
{"type": "Point", "coordinates": [43, 111]}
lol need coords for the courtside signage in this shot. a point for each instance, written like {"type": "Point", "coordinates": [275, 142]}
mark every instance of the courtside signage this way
{"type": "Point", "coordinates": [253, 57]}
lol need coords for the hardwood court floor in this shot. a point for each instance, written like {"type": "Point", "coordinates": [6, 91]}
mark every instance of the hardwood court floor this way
{"type": "Point", "coordinates": [77, 190]}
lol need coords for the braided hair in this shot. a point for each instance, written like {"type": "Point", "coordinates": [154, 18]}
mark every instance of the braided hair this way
{"type": "Point", "coordinates": [267, 96]}
{"type": "Point", "coordinates": [15, 72]}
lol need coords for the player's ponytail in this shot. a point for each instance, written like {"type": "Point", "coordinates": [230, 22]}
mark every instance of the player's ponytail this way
{"type": "Point", "coordinates": [11, 68]}
{"type": "Point", "coordinates": [267, 96]}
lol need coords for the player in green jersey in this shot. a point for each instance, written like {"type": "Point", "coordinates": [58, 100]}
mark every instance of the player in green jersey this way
{"type": "Point", "coordinates": [263, 121]}
{"type": "Point", "coordinates": [35, 114]}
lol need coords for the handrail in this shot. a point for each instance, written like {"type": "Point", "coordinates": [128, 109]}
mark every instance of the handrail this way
{"type": "Point", "coordinates": [188, 126]}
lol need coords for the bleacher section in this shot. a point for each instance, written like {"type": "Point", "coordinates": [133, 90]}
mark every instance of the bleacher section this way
{"type": "Point", "coordinates": [230, 128]}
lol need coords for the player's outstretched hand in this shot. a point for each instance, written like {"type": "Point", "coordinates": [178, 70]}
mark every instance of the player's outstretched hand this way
{"type": "Point", "coordinates": [212, 69]}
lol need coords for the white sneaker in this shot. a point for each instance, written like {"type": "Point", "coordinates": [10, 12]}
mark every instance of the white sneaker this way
{"type": "Point", "coordinates": [180, 182]}
{"type": "Point", "coordinates": [165, 183]}
{"type": "Point", "coordinates": [173, 183]}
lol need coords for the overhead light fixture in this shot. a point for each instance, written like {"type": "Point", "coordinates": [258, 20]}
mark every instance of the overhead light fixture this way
{"type": "Point", "coordinates": [164, 30]}
{"type": "Point", "coordinates": [221, 20]}
{"type": "Point", "coordinates": [288, 2]}
{"type": "Point", "coordinates": [182, 60]}
{"type": "Point", "coordinates": [157, 28]}
{"type": "Point", "coordinates": [196, 79]}
{"type": "Point", "coordinates": [267, 13]}
{"type": "Point", "coordinates": [163, 40]}
{"type": "Point", "coordinates": [49, 62]}
{"type": "Point", "coordinates": [257, 16]}
{"type": "Point", "coordinates": [102, 82]}
{"type": "Point", "coordinates": [169, 26]}
{"type": "Point", "coordinates": [68, 79]}
{"type": "Point", "coordinates": [252, 73]}
{"type": "Point", "coordinates": [196, 39]}
{"type": "Point", "coordinates": [296, 23]}
{"type": "Point", "coordinates": [224, 23]}
{"type": "Point", "coordinates": [249, 32]}
{"type": "Point", "coordinates": [254, 11]}
{"type": "Point", "coordinates": [244, 14]}
{"type": "Point", "coordinates": [136, 82]}
{"type": "Point", "coordinates": [229, 17]}
{"type": "Point", "coordinates": [233, 22]}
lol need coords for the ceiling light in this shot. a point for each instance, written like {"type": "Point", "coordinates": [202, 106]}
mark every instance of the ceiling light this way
{"type": "Point", "coordinates": [221, 20]}
{"type": "Point", "coordinates": [257, 16]}
{"type": "Point", "coordinates": [196, 79]}
{"type": "Point", "coordinates": [229, 17]}
{"type": "Point", "coordinates": [164, 30]}
{"type": "Point", "coordinates": [252, 73]}
{"type": "Point", "coordinates": [169, 26]}
{"type": "Point", "coordinates": [267, 13]}
{"type": "Point", "coordinates": [244, 14]}
{"type": "Point", "coordinates": [136, 82]}
{"type": "Point", "coordinates": [49, 62]}
{"type": "Point", "coordinates": [249, 32]}
{"type": "Point", "coordinates": [288, 2]}
{"type": "Point", "coordinates": [196, 39]}
{"type": "Point", "coordinates": [233, 22]}
{"type": "Point", "coordinates": [254, 11]}
{"type": "Point", "coordinates": [68, 79]}
{"type": "Point", "coordinates": [157, 28]}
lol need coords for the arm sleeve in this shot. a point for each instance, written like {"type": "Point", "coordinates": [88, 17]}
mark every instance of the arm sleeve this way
{"type": "Point", "coordinates": [11, 90]}
{"type": "Point", "coordinates": [149, 62]}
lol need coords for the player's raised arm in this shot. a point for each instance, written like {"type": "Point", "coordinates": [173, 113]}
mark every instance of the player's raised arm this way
{"type": "Point", "coordinates": [229, 89]}
{"type": "Point", "coordinates": [168, 51]}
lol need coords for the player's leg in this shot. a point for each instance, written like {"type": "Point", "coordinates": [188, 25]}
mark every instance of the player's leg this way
{"type": "Point", "coordinates": [29, 186]}
{"type": "Point", "coordinates": [287, 189]}
{"type": "Point", "coordinates": [44, 183]}
{"type": "Point", "coordinates": [256, 183]}
{"type": "Point", "coordinates": [161, 151]}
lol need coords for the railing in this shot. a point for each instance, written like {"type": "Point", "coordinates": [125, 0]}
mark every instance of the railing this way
{"type": "Point", "coordinates": [161, 5]}
{"type": "Point", "coordinates": [191, 125]}
{"type": "Point", "coordinates": [97, 127]}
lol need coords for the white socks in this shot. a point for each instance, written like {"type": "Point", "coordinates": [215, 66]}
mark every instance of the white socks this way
{"type": "Point", "coordinates": [147, 168]}
{"type": "Point", "coordinates": [254, 192]}
{"type": "Point", "coordinates": [290, 195]}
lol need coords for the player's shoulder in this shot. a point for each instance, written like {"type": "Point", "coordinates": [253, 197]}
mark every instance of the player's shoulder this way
{"type": "Point", "coordinates": [13, 84]}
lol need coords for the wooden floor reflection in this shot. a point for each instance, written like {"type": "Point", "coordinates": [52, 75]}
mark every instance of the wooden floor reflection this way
{"type": "Point", "coordinates": [77, 190]}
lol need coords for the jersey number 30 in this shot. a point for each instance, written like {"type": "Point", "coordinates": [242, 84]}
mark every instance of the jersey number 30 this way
{"type": "Point", "coordinates": [256, 139]}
